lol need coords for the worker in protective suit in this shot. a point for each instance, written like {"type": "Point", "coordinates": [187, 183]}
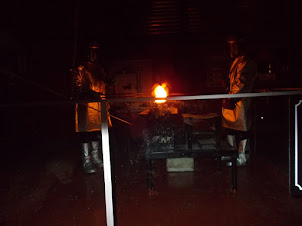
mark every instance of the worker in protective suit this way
{"type": "Point", "coordinates": [89, 85]}
{"type": "Point", "coordinates": [236, 115]}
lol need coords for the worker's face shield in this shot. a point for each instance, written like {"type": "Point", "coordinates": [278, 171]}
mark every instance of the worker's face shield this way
{"type": "Point", "coordinates": [233, 49]}
{"type": "Point", "coordinates": [93, 54]}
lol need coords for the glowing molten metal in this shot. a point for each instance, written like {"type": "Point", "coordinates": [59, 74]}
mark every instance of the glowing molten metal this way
{"type": "Point", "coordinates": [160, 92]}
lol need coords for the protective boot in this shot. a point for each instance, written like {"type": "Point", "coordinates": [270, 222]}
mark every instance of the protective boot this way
{"type": "Point", "coordinates": [95, 154]}
{"type": "Point", "coordinates": [231, 140]}
{"type": "Point", "coordinates": [243, 156]}
{"type": "Point", "coordinates": [242, 152]}
{"type": "Point", "coordinates": [87, 163]}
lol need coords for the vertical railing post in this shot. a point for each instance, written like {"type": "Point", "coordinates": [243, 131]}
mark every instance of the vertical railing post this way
{"type": "Point", "coordinates": [107, 165]}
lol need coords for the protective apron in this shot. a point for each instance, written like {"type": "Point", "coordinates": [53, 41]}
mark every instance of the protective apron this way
{"type": "Point", "coordinates": [88, 115]}
{"type": "Point", "coordinates": [242, 77]}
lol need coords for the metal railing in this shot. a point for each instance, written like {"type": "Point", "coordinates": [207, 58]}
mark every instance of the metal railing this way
{"type": "Point", "coordinates": [105, 131]}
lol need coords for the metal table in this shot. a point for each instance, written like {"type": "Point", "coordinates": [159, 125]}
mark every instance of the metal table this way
{"type": "Point", "coordinates": [197, 144]}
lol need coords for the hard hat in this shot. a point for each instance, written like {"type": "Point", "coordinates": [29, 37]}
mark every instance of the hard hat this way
{"type": "Point", "coordinates": [232, 38]}
{"type": "Point", "coordinates": [236, 38]}
{"type": "Point", "coordinates": [94, 45]}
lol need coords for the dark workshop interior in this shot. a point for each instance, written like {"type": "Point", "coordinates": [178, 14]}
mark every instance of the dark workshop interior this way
{"type": "Point", "coordinates": [163, 173]}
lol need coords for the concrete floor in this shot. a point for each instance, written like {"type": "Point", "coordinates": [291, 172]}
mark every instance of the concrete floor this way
{"type": "Point", "coordinates": [47, 186]}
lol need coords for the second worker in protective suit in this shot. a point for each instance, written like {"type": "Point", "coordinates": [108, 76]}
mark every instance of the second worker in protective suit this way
{"type": "Point", "coordinates": [236, 114]}
{"type": "Point", "coordinates": [89, 84]}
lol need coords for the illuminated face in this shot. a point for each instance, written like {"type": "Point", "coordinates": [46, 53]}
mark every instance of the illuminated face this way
{"type": "Point", "coordinates": [233, 49]}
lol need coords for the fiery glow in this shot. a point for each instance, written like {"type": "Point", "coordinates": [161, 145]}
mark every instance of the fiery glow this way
{"type": "Point", "coordinates": [160, 91]}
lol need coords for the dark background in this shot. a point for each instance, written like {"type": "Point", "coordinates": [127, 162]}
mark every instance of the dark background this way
{"type": "Point", "coordinates": [191, 34]}
{"type": "Point", "coordinates": [185, 39]}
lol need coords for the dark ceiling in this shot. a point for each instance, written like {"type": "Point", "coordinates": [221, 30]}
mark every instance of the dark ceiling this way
{"type": "Point", "coordinates": [116, 20]}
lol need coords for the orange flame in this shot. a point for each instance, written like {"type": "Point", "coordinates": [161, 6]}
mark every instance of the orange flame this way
{"type": "Point", "coordinates": [160, 91]}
